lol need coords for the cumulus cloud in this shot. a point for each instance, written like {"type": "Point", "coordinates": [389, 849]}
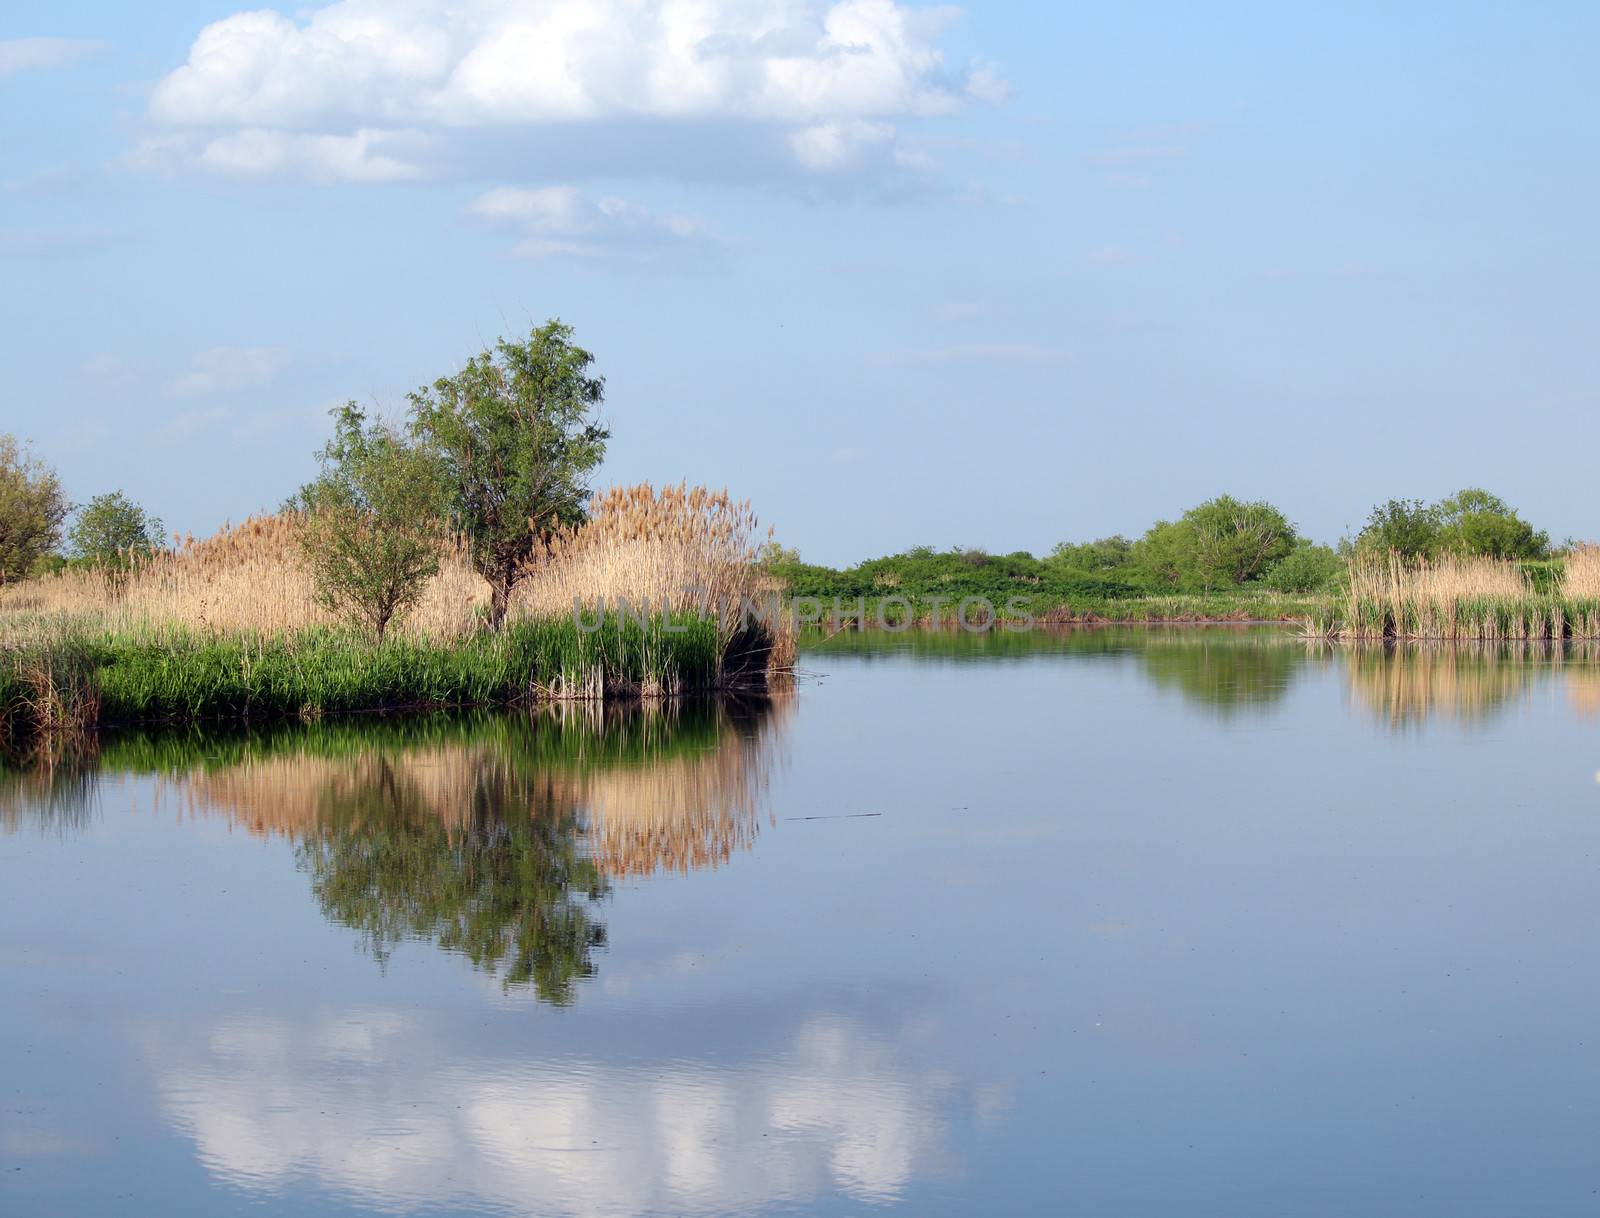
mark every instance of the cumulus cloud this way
{"type": "Point", "coordinates": [26, 54]}
{"type": "Point", "coordinates": [834, 1109]}
{"type": "Point", "coordinates": [228, 369]}
{"type": "Point", "coordinates": [557, 220]}
{"type": "Point", "coordinates": [829, 80]}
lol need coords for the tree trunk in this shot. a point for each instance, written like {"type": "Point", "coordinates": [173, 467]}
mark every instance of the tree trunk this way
{"type": "Point", "coordinates": [499, 599]}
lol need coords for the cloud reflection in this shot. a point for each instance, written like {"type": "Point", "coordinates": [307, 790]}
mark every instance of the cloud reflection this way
{"type": "Point", "coordinates": [384, 1107]}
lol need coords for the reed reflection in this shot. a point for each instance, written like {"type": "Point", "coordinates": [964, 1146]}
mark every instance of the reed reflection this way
{"type": "Point", "coordinates": [1405, 684]}
{"type": "Point", "coordinates": [494, 836]}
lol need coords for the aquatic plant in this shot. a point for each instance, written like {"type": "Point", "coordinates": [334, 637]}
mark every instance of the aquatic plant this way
{"type": "Point", "coordinates": [1477, 598]}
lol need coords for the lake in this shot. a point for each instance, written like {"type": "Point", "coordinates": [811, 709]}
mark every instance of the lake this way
{"type": "Point", "coordinates": [1114, 922]}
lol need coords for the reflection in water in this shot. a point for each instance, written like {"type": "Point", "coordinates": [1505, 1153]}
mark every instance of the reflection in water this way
{"type": "Point", "coordinates": [1227, 672]}
{"type": "Point", "coordinates": [1227, 669]}
{"type": "Point", "coordinates": [1224, 668]}
{"type": "Point", "coordinates": [493, 836]}
{"type": "Point", "coordinates": [815, 1097]}
{"type": "Point", "coordinates": [1406, 683]}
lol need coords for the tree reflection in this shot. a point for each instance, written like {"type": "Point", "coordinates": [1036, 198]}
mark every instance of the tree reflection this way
{"type": "Point", "coordinates": [493, 836]}
{"type": "Point", "coordinates": [1228, 672]}
{"type": "Point", "coordinates": [501, 879]}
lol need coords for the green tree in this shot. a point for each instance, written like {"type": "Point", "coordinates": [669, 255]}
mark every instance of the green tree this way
{"type": "Point", "coordinates": [372, 522]}
{"type": "Point", "coordinates": [1306, 568]}
{"type": "Point", "coordinates": [1221, 543]}
{"type": "Point", "coordinates": [110, 528]}
{"type": "Point", "coordinates": [1473, 521]}
{"type": "Point", "coordinates": [518, 436]}
{"type": "Point", "coordinates": [32, 509]}
{"type": "Point", "coordinates": [1103, 554]}
{"type": "Point", "coordinates": [1408, 527]}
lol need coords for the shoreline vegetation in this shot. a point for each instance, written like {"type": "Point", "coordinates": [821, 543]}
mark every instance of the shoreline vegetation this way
{"type": "Point", "coordinates": [458, 559]}
{"type": "Point", "coordinates": [231, 627]}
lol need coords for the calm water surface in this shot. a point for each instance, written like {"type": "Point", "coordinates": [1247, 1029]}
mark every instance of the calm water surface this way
{"type": "Point", "coordinates": [1110, 923]}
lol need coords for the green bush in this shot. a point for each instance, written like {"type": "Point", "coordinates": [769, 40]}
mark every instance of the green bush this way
{"type": "Point", "coordinates": [1306, 568]}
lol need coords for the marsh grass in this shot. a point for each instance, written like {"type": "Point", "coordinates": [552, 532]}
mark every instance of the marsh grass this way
{"type": "Point", "coordinates": [1475, 599]}
{"type": "Point", "coordinates": [231, 626]}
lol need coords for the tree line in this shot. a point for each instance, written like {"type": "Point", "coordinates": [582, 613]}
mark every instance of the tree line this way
{"type": "Point", "coordinates": [497, 455]}
{"type": "Point", "coordinates": [1230, 543]}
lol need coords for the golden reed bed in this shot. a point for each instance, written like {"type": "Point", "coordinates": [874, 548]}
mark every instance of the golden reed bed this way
{"type": "Point", "coordinates": [679, 548]}
{"type": "Point", "coordinates": [1468, 598]}
{"type": "Point", "coordinates": [666, 812]}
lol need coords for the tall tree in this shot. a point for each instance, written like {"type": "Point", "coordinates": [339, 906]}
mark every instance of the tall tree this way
{"type": "Point", "coordinates": [32, 508]}
{"type": "Point", "coordinates": [373, 521]}
{"type": "Point", "coordinates": [1474, 521]}
{"type": "Point", "coordinates": [1219, 544]}
{"type": "Point", "coordinates": [518, 435]}
{"type": "Point", "coordinates": [111, 527]}
{"type": "Point", "coordinates": [1408, 527]}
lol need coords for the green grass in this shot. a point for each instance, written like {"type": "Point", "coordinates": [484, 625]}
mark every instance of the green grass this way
{"type": "Point", "coordinates": [181, 676]}
{"type": "Point", "coordinates": [1236, 605]}
{"type": "Point", "coordinates": [1537, 616]}
{"type": "Point", "coordinates": [1047, 589]}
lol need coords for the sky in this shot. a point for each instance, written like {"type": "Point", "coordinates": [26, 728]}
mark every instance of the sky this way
{"type": "Point", "coordinates": [1000, 275]}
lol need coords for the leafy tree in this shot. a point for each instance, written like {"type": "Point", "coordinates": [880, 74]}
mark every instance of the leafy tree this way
{"type": "Point", "coordinates": [773, 554]}
{"type": "Point", "coordinates": [1306, 568]}
{"type": "Point", "coordinates": [1408, 527]}
{"type": "Point", "coordinates": [111, 527]}
{"type": "Point", "coordinates": [1104, 554]}
{"type": "Point", "coordinates": [32, 509]}
{"type": "Point", "coordinates": [1221, 543]}
{"type": "Point", "coordinates": [372, 521]}
{"type": "Point", "coordinates": [1473, 521]}
{"type": "Point", "coordinates": [518, 437]}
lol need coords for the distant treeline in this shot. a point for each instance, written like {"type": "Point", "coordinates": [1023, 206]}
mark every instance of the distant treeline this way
{"type": "Point", "coordinates": [1224, 544]}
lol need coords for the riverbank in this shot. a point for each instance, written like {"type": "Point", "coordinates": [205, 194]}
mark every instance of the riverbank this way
{"type": "Point", "coordinates": [1025, 610]}
{"type": "Point", "coordinates": [74, 679]}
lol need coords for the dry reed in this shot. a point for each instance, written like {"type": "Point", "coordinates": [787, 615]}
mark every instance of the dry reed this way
{"type": "Point", "coordinates": [659, 812]}
{"type": "Point", "coordinates": [1467, 598]}
{"type": "Point", "coordinates": [681, 550]}
{"type": "Point", "coordinates": [1580, 573]}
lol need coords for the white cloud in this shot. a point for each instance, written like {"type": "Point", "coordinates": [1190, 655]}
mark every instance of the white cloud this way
{"type": "Point", "coordinates": [832, 79]}
{"type": "Point", "coordinates": [24, 54]}
{"type": "Point", "coordinates": [836, 1108]}
{"type": "Point", "coordinates": [562, 220]}
{"type": "Point", "coordinates": [228, 369]}
{"type": "Point", "coordinates": [829, 146]}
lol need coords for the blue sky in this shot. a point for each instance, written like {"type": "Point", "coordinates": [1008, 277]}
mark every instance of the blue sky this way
{"type": "Point", "coordinates": [1001, 276]}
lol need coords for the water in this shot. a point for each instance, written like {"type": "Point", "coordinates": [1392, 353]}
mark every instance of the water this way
{"type": "Point", "coordinates": [1207, 922]}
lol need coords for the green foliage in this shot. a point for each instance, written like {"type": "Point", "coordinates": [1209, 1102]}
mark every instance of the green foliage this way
{"type": "Point", "coordinates": [518, 436]}
{"type": "Point", "coordinates": [112, 528]}
{"type": "Point", "coordinates": [32, 509]}
{"type": "Point", "coordinates": [1470, 522]}
{"type": "Point", "coordinates": [1306, 568]}
{"type": "Point", "coordinates": [1112, 553]}
{"type": "Point", "coordinates": [771, 554]}
{"type": "Point", "coordinates": [1473, 521]}
{"type": "Point", "coordinates": [514, 895]}
{"type": "Point", "coordinates": [1222, 543]}
{"type": "Point", "coordinates": [923, 573]}
{"type": "Point", "coordinates": [187, 677]}
{"type": "Point", "coordinates": [1408, 527]}
{"type": "Point", "coordinates": [372, 522]}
